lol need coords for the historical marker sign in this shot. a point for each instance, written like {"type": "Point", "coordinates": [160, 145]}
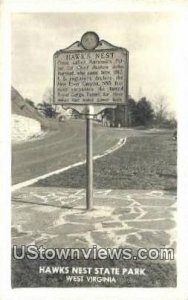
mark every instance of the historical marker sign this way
{"type": "Point", "coordinates": [91, 77]}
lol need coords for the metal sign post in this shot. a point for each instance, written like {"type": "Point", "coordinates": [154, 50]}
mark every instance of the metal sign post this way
{"type": "Point", "coordinates": [89, 158]}
{"type": "Point", "coordinates": [89, 76]}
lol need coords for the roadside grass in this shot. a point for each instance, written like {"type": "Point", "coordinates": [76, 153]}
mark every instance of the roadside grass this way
{"type": "Point", "coordinates": [144, 162]}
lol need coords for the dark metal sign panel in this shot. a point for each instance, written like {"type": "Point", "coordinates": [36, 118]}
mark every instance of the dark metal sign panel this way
{"type": "Point", "coordinates": [97, 77]}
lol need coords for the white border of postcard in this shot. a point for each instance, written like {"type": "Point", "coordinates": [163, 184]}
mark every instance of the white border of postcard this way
{"type": "Point", "coordinates": [6, 8]}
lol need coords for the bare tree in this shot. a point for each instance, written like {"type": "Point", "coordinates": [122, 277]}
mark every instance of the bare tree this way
{"type": "Point", "coordinates": [48, 96]}
{"type": "Point", "coordinates": [161, 110]}
{"type": "Point", "coordinates": [47, 107]}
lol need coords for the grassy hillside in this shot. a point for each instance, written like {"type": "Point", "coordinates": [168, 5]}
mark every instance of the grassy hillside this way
{"type": "Point", "coordinates": [21, 107]}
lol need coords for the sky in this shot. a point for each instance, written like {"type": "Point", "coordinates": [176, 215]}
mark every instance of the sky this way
{"type": "Point", "coordinates": [149, 37]}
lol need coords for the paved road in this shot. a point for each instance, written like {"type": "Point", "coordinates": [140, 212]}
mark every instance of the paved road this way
{"type": "Point", "coordinates": [59, 149]}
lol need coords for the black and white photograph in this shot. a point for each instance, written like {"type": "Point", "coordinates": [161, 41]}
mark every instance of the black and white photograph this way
{"type": "Point", "coordinates": [94, 129]}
